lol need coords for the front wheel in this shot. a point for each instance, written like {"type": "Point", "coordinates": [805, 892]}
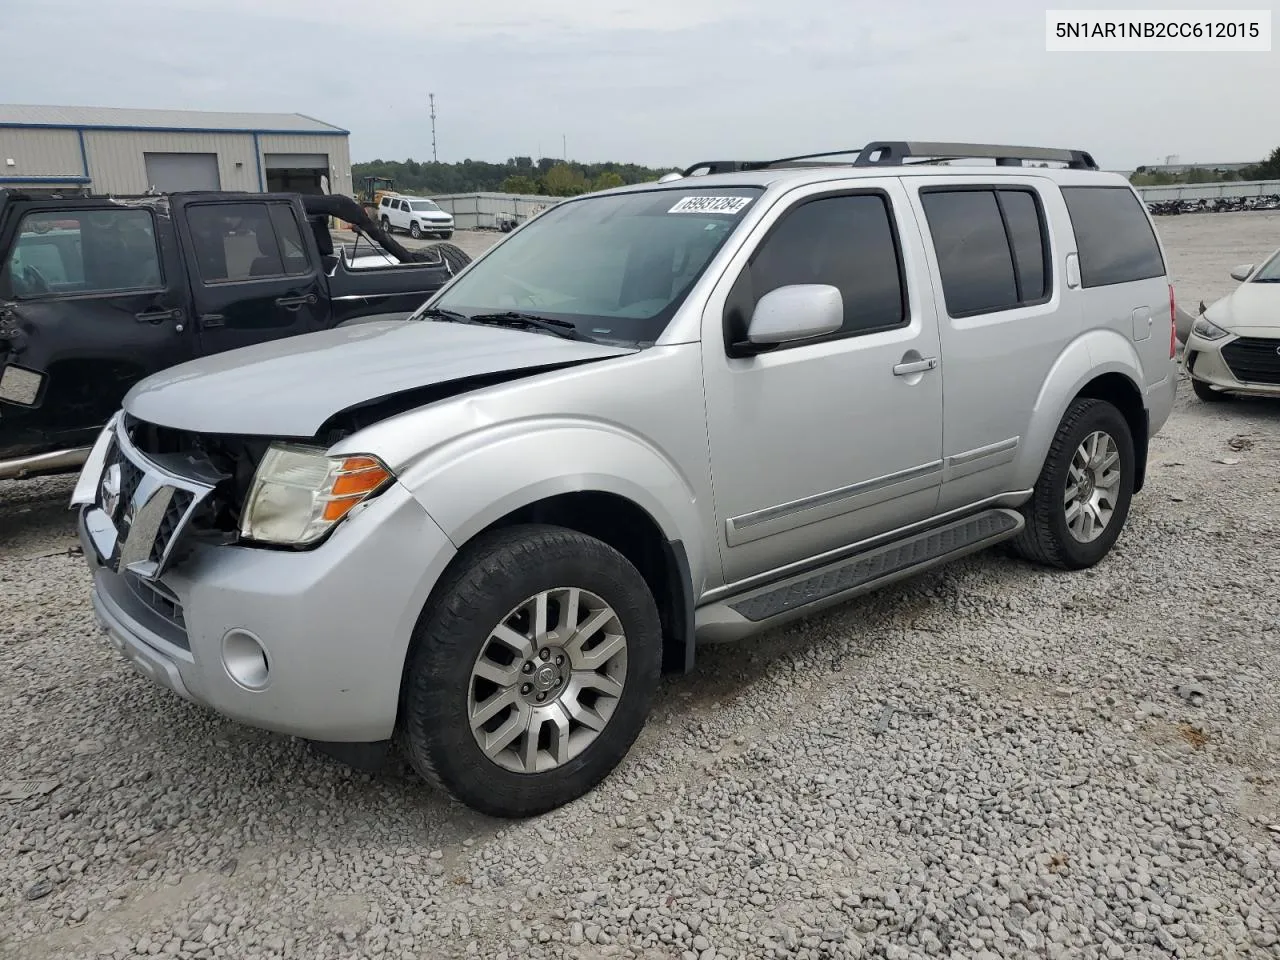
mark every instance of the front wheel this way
{"type": "Point", "coordinates": [1207, 393]}
{"type": "Point", "coordinates": [415, 231]}
{"type": "Point", "coordinates": [532, 670]}
{"type": "Point", "coordinates": [1082, 497]}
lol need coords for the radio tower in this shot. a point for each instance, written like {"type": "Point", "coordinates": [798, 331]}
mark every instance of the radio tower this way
{"type": "Point", "coordinates": [434, 158]}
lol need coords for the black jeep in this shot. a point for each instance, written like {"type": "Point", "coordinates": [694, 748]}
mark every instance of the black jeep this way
{"type": "Point", "coordinates": [98, 292]}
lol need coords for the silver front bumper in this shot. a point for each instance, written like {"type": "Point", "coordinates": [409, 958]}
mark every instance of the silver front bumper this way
{"type": "Point", "coordinates": [335, 622]}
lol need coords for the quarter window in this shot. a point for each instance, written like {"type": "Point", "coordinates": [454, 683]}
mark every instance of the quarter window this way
{"type": "Point", "coordinates": [847, 242]}
{"type": "Point", "coordinates": [79, 252]}
{"type": "Point", "coordinates": [991, 248]}
{"type": "Point", "coordinates": [1113, 235]}
{"type": "Point", "coordinates": [246, 241]}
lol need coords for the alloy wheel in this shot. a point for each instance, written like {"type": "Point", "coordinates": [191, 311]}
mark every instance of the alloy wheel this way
{"type": "Point", "coordinates": [1093, 486]}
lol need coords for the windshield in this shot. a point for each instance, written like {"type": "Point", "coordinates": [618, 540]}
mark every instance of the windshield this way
{"type": "Point", "coordinates": [617, 267]}
{"type": "Point", "coordinates": [423, 205]}
{"type": "Point", "coordinates": [1270, 272]}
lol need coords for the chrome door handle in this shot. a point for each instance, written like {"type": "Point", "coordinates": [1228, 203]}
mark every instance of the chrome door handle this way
{"type": "Point", "coordinates": [914, 366]}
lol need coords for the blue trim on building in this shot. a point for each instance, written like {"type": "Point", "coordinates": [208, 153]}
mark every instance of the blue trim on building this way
{"type": "Point", "coordinates": [257, 156]}
{"type": "Point", "coordinates": [84, 154]}
{"type": "Point", "coordinates": [129, 129]}
{"type": "Point", "coordinates": [44, 179]}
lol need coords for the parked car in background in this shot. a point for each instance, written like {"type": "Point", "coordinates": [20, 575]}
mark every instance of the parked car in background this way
{"type": "Point", "coordinates": [1234, 345]}
{"type": "Point", "coordinates": [98, 292]}
{"type": "Point", "coordinates": [665, 413]}
{"type": "Point", "coordinates": [417, 216]}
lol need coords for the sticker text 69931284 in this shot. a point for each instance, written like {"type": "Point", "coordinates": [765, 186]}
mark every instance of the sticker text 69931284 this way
{"type": "Point", "coordinates": [709, 204]}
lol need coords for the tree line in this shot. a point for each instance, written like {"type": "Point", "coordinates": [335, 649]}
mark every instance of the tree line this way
{"type": "Point", "coordinates": [1268, 169]}
{"type": "Point", "coordinates": [546, 177]}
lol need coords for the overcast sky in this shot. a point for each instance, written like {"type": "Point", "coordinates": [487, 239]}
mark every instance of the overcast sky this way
{"type": "Point", "coordinates": [663, 82]}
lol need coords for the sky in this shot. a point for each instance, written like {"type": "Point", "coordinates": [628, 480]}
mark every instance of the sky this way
{"type": "Point", "coordinates": [659, 82]}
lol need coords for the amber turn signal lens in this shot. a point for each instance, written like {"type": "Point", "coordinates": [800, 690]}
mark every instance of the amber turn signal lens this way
{"type": "Point", "coordinates": [359, 475]}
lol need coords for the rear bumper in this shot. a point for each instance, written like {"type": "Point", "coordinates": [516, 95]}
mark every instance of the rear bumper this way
{"type": "Point", "coordinates": [334, 622]}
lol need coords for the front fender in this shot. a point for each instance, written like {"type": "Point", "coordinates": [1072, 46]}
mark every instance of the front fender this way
{"type": "Point", "coordinates": [1086, 358]}
{"type": "Point", "coordinates": [469, 483]}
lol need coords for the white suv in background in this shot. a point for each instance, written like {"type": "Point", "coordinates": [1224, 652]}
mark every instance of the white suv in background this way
{"type": "Point", "coordinates": [418, 215]}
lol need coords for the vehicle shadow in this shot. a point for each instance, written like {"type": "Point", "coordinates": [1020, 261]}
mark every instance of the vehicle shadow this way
{"type": "Point", "coordinates": [34, 515]}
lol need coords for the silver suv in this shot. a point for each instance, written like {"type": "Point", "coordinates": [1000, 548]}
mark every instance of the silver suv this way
{"type": "Point", "coordinates": [682, 411]}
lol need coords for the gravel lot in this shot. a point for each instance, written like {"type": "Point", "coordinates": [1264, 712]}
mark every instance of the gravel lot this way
{"type": "Point", "coordinates": [989, 760]}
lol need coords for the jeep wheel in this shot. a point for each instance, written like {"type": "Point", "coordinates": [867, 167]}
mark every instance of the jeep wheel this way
{"type": "Point", "coordinates": [415, 231]}
{"type": "Point", "coordinates": [532, 670]}
{"type": "Point", "coordinates": [386, 226]}
{"type": "Point", "coordinates": [1082, 497]}
{"type": "Point", "coordinates": [1207, 393]}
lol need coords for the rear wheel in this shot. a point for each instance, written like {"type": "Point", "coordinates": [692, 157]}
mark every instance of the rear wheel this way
{"type": "Point", "coordinates": [1082, 497]}
{"type": "Point", "coordinates": [415, 231]}
{"type": "Point", "coordinates": [532, 672]}
{"type": "Point", "coordinates": [386, 226]}
{"type": "Point", "coordinates": [1207, 393]}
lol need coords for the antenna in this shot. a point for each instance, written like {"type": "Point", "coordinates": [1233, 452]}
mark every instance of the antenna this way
{"type": "Point", "coordinates": [434, 158]}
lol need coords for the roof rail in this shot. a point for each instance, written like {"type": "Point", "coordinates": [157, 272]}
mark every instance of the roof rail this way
{"type": "Point", "coordinates": [708, 167]}
{"type": "Point", "coordinates": [897, 152]}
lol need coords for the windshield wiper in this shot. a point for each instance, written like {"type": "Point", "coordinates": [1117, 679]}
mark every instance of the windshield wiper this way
{"type": "Point", "coordinates": [437, 314]}
{"type": "Point", "coordinates": [514, 318]}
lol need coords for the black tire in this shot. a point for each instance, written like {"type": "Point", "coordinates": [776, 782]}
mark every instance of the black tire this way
{"type": "Point", "coordinates": [454, 256]}
{"type": "Point", "coordinates": [1207, 393]}
{"type": "Point", "coordinates": [490, 577]}
{"type": "Point", "coordinates": [1046, 538]}
{"type": "Point", "coordinates": [415, 231]}
{"type": "Point", "coordinates": [448, 234]}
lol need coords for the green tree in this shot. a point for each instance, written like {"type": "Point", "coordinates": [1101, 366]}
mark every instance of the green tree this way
{"type": "Point", "coordinates": [519, 183]}
{"type": "Point", "coordinates": [1268, 169]}
{"type": "Point", "coordinates": [607, 180]}
{"type": "Point", "coordinates": [563, 180]}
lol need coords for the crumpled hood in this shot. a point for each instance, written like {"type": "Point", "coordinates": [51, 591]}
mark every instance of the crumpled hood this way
{"type": "Point", "coordinates": [290, 387]}
{"type": "Point", "coordinates": [1250, 307]}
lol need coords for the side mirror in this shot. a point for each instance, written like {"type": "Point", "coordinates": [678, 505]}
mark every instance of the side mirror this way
{"type": "Point", "coordinates": [800, 311]}
{"type": "Point", "coordinates": [1242, 271]}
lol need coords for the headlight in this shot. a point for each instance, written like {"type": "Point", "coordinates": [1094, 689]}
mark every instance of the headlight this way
{"type": "Point", "coordinates": [299, 493]}
{"type": "Point", "coordinates": [1207, 329]}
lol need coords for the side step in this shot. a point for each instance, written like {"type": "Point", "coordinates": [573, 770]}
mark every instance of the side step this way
{"type": "Point", "coordinates": [844, 579]}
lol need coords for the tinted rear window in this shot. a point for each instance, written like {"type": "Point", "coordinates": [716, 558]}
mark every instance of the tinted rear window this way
{"type": "Point", "coordinates": [973, 252]}
{"type": "Point", "coordinates": [1115, 239]}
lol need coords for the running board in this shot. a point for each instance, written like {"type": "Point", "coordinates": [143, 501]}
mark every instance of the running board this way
{"type": "Point", "coordinates": [806, 593]}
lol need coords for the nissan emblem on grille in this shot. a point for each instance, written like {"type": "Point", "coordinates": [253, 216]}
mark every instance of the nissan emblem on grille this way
{"type": "Point", "coordinates": [110, 492]}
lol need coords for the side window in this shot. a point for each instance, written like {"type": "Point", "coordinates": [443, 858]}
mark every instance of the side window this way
{"type": "Point", "coordinates": [386, 201]}
{"type": "Point", "coordinates": [234, 241]}
{"type": "Point", "coordinates": [82, 252]}
{"type": "Point", "coordinates": [1114, 236]}
{"type": "Point", "coordinates": [991, 247]}
{"type": "Point", "coordinates": [846, 241]}
{"type": "Point", "coordinates": [292, 251]}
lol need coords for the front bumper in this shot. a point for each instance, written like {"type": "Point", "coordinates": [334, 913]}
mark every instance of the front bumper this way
{"type": "Point", "coordinates": [1210, 361]}
{"type": "Point", "coordinates": [334, 622]}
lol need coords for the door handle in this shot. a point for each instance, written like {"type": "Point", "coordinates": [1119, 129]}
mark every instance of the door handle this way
{"type": "Point", "coordinates": [212, 320]}
{"type": "Point", "coordinates": [914, 366]}
{"type": "Point", "coordinates": [158, 316]}
{"type": "Point", "coordinates": [294, 303]}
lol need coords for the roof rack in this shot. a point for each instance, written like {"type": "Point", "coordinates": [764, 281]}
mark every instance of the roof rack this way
{"type": "Point", "coordinates": [899, 152]}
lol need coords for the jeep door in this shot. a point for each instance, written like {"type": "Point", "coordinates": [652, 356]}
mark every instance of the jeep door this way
{"type": "Point", "coordinates": [818, 444]}
{"type": "Point", "coordinates": [253, 275]}
{"type": "Point", "coordinates": [94, 298]}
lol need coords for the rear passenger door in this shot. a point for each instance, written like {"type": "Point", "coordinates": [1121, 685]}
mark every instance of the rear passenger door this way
{"type": "Point", "coordinates": [1122, 272]}
{"type": "Point", "coordinates": [822, 443]}
{"type": "Point", "coordinates": [1004, 317]}
{"type": "Point", "coordinates": [253, 277]}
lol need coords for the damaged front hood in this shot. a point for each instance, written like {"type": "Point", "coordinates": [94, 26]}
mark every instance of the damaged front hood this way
{"type": "Point", "coordinates": [290, 387]}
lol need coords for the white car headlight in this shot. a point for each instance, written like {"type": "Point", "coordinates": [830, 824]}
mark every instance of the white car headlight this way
{"type": "Point", "coordinates": [1207, 329]}
{"type": "Point", "coordinates": [299, 493]}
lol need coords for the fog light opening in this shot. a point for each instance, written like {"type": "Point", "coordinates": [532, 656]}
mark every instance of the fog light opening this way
{"type": "Point", "coordinates": [245, 660]}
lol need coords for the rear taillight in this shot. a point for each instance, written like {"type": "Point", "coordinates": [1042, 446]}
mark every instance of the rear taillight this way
{"type": "Point", "coordinates": [1173, 324]}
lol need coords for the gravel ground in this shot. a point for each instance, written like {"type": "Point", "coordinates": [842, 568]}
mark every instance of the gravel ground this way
{"type": "Point", "coordinates": [987, 761]}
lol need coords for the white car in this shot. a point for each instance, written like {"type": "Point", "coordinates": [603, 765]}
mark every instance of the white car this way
{"type": "Point", "coordinates": [417, 215]}
{"type": "Point", "coordinates": [1234, 345]}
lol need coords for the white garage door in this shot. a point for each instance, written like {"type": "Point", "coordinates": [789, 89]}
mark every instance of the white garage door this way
{"type": "Point", "coordinates": [171, 172]}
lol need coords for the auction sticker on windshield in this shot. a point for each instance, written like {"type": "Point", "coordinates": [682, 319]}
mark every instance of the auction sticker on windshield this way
{"type": "Point", "coordinates": [710, 204]}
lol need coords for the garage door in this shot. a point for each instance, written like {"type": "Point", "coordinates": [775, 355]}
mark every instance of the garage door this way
{"type": "Point", "coordinates": [296, 161]}
{"type": "Point", "coordinates": [170, 172]}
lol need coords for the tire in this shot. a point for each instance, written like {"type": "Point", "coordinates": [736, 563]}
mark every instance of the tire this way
{"type": "Point", "coordinates": [1207, 393]}
{"type": "Point", "coordinates": [447, 235]}
{"type": "Point", "coordinates": [454, 256]}
{"type": "Point", "coordinates": [415, 231]}
{"type": "Point", "coordinates": [1048, 538]}
{"type": "Point", "coordinates": [386, 226]}
{"type": "Point", "coordinates": [493, 583]}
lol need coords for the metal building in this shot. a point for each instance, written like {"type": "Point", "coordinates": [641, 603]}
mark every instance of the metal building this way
{"type": "Point", "coordinates": [120, 151]}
